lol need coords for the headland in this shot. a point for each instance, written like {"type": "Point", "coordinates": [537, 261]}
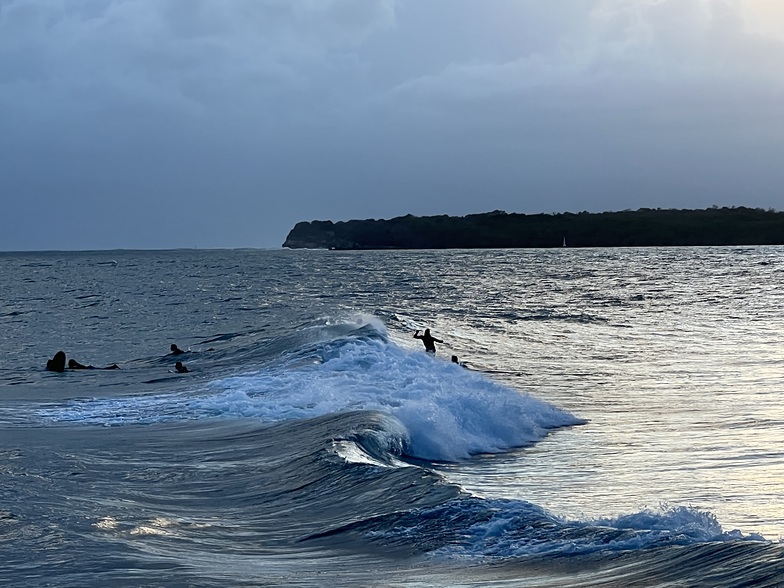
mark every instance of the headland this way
{"type": "Point", "coordinates": [645, 227]}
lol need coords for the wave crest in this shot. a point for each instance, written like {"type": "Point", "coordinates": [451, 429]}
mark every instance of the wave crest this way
{"type": "Point", "coordinates": [449, 412]}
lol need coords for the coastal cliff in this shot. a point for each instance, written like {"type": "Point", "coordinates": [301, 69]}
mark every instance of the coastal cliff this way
{"type": "Point", "coordinates": [498, 229]}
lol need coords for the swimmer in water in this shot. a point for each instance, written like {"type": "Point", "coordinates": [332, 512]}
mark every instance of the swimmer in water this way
{"type": "Point", "coordinates": [181, 369]}
{"type": "Point", "coordinates": [75, 365]}
{"type": "Point", "coordinates": [428, 340]}
{"type": "Point", "coordinates": [175, 350]}
{"type": "Point", "coordinates": [57, 363]}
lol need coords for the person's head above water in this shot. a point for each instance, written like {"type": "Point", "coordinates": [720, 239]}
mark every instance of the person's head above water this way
{"type": "Point", "coordinates": [175, 350]}
{"type": "Point", "coordinates": [181, 369]}
{"type": "Point", "coordinates": [454, 359]}
{"type": "Point", "coordinates": [57, 363]}
{"type": "Point", "coordinates": [427, 332]}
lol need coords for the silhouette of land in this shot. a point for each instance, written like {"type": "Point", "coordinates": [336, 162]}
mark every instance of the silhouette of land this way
{"type": "Point", "coordinates": [498, 229]}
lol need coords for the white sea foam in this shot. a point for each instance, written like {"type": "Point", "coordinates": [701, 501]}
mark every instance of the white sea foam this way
{"type": "Point", "coordinates": [449, 412]}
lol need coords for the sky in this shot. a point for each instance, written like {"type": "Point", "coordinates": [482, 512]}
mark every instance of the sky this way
{"type": "Point", "coordinates": [150, 124]}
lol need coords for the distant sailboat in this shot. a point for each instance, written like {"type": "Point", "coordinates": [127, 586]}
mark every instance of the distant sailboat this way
{"type": "Point", "coordinates": [564, 243]}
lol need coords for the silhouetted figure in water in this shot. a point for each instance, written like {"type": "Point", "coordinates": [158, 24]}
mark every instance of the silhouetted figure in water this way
{"type": "Point", "coordinates": [455, 360]}
{"type": "Point", "coordinates": [428, 340]}
{"type": "Point", "coordinates": [181, 369]}
{"type": "Point", "coordinates": [57, 363]}
{"type": "Point", "coordinates": [75, 365]}
{"type": "Point", "coordinates": [175, 350]}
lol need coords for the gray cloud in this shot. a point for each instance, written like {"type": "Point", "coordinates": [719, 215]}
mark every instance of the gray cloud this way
{"type": "Point", "coordinates": [160, 123]}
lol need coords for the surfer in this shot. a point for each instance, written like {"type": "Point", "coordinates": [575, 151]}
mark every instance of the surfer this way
{"type": "Point", "coordinates": [181, 369]}
{"type": "Point", "coordinates": [175, 350]}
{"type": "Point", "coordinates": [57, 363]}
{"type": "Point", "coordinates": [75, 365]}
{"type": "Point", "coordinates": [428, 340]}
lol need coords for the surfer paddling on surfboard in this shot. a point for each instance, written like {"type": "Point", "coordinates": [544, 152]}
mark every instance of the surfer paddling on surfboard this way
{"type": "Point", "coordinates": [428, 340]}
{"type": "Point", "coordinates": [175, 350]}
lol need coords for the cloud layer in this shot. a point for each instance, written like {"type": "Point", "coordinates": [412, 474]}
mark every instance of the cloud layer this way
{"type": "Point", "coordinates": [166, 123]}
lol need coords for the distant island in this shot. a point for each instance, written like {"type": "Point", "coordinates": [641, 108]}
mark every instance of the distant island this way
{"type": "Point", "coordinates": [628, 228]}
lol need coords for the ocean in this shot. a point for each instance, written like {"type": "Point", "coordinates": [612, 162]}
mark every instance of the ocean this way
{"type": "Point", "coordinates": [615, 418]}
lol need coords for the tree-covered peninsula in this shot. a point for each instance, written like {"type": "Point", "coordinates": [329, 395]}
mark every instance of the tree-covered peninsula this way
{"type": "Point", "coordinates": [498, 229]}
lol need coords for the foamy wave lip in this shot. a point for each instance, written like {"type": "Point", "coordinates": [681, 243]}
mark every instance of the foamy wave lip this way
{"type": "Point", "coordinates": [517, 528]}
{"type": "Point", "coordinates": [449, 413]}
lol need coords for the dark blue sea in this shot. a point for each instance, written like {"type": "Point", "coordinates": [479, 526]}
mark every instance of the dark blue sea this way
{"type": "Point", "coordinates": [615, 418]}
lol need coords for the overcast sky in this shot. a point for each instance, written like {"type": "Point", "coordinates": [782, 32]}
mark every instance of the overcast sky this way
{"type": "Point", "coordinates": [222, 123]}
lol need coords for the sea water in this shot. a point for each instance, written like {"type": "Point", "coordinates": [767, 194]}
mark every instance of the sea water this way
{"type": "Point", "coordinates": [615, 418]}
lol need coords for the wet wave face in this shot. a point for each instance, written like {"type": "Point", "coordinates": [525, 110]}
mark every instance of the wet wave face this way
{"type": "Point", "coordinates": [446, 412]}
{"type": "Point", "coordinates": [471, 527]}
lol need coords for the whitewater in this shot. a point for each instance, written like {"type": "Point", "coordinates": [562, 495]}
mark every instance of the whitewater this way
{"type": "Point", "coordinates": [614, 419]}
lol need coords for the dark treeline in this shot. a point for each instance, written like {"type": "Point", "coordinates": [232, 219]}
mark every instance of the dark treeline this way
{"type": "Point", "coordinates": [638, 228]}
